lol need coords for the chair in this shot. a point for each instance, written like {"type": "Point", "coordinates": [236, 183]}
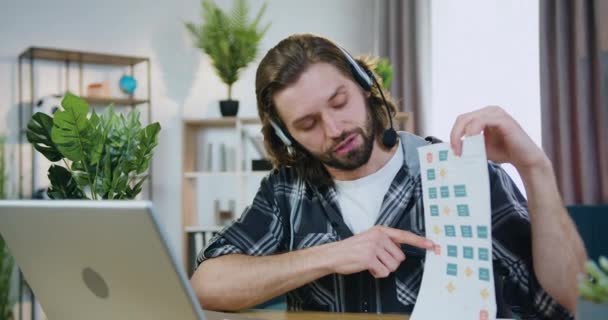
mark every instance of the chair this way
{"type": "Point", "coordinates": [592, 224]}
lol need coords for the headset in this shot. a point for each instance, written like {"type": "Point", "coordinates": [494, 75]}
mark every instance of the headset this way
{"type": "Point", "coordinates": [366, 80]}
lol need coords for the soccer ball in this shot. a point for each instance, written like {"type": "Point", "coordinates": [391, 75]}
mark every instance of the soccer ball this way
{"type": "Point", "coordinates": [48, 105]}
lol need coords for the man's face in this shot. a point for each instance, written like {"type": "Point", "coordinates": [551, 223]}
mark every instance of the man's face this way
{"type": "Point", "coordinates": [327, 114]}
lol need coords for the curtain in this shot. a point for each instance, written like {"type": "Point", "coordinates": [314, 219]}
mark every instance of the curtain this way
{"type": "Point", "coordinates": [574, 97]}
{"type": "Point", "coordinates": [399, 41]}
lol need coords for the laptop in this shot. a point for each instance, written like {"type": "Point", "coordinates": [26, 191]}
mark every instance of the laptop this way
{"type": "Point", "coordinates": [99, 260]}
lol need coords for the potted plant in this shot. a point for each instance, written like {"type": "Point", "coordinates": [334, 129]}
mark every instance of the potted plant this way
{"type": "Point", "coordinates": [6, 261]}
{"type": "Point", "coordinates": [231, 40]}
{"type": "Point", "coordinates": [104, 156]}
{"type": "Point", "coordinates": [384, 70]}
{"type": "Point", "coordinates": [593, 289]}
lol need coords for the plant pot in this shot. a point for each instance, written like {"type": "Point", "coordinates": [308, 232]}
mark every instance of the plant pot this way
{"type": "Point", "coordinates": [587, 310]}
{"type": "Point", "coordinates": [229, 108]}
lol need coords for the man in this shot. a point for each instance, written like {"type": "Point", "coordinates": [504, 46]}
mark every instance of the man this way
{"type": "Point", "coordinates": [338, 224]}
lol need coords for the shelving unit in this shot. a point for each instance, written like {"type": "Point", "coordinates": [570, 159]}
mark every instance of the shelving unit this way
{"type": "Point", "coordinates": [197, 233]}
{"type": "Point", "coordinates": [196, 135]}
{"type": "Point", "coordinates": [67, 59]}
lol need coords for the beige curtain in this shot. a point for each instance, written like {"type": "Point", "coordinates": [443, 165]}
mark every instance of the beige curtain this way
{"type": "Point", "coordinates": [398, 40]}
{"type": "Point", "coordinates": [574, 97]}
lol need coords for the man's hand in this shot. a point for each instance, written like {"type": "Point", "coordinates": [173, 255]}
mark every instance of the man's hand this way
{"type": "Point", "coordinates": [377, 250]}
{"type": "Point", "coordinates": [505, 140]}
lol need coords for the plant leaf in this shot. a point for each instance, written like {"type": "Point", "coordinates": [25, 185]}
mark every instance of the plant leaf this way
{"type": "Point", "coordinates": [148, 139]}
{"type": "Point", "coordinates": [120, 182]}
{"type": "Point", "coordinates": [106, 174]}
{"type": "Point", "coordinates": [131, 193]}
{"type": "Point", "coordinates": [39, 135]}
{"type": "Point", "coordinates": [63, 185]}
{"type": "Point", "coordinates": [71, 129]}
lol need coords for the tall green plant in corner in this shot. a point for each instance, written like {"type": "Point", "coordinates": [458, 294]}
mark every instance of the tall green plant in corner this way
{"type": "Point", "coordinates": [6, 261]}
{"type": "Point", "coordinates": [104, 156]}
{"type": "Point", "coordinates": [230, 39]}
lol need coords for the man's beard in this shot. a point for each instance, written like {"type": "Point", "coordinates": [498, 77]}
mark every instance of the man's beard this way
{"type": "Point", "coordinates": [354, 158]}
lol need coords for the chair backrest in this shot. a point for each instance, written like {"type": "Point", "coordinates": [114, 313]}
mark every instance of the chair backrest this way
{"type": "Point", "coordinates": [592, 224]}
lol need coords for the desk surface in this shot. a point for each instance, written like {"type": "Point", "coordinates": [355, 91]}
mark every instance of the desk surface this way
{"type": "Point", "coordinates": [283, 315]}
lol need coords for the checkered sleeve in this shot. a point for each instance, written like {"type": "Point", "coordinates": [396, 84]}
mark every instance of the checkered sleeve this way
{"type": "Point", "coordinates": [258, 232]}
{"type": "Point", "coordinates": [512, 248]}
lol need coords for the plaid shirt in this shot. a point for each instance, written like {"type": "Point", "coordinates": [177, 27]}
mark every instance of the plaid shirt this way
{"type": "Point", "coordinates": [289, 214]}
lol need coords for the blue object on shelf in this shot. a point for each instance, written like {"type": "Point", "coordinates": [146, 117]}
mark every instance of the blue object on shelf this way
{"type": "Point", "coordinates": [127, 84]}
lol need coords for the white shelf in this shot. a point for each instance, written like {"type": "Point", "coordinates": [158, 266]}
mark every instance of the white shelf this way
{"type": "Point", "coordinates": [195, 229]}
{"type": "Point", "coordinates": [206, 174]}
{"type": "Point", "coordinates": [220, 122]}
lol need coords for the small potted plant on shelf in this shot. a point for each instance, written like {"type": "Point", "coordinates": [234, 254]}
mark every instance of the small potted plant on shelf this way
{"type": "Point", "coordinates": [104, 156]}
{"type": "Point", "coordinates": [231, 40]}
{"type": "Point", "coordinates": [593, 289]}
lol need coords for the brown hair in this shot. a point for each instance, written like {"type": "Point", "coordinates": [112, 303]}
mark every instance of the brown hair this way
{"type": "Point", "coordinates": [281, 67]}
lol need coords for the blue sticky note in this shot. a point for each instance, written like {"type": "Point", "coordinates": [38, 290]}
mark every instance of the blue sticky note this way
{"type": "Point", "coordinates": [443, 155]}
{"type": "Point", "coordinates": [467, 231]}
{"type": "Point", "coordinates": [467, 252]}
{"type": "Point", "coordinates": [445, 192]}
{"type": "Point", "coordinates": [460, 191]}
{"type": "Point", "coordinates": [433, 193]}
{"type": "Point", "coordinates": [430, 174]}
{"type": "Point", "coordinates": [450, 231]}
{"type": "Point", "coordinates": [452, 269]}
{"type": "Point", "coordinates": [434, 210]}
{"type": "Point", "coordinates": [463, 210]}
{"type": "Point", "coordinates": [482, 232]}
{"type": "Point", "coordinates": [452, 251]}
{"type": "Point", "coordinates": [483, 254]}
{"type": "Point", "coordinates": [484, 274]}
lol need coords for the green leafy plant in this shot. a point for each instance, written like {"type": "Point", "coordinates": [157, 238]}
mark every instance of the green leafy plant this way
{"type": "Point", "coordinates": [104, 156]}
{"type": "Point", "coordinates": [384, 69]}
{"type": "Point", "coordinates": [228, 38]}
{"type": "Point", "coordinates": [6, 261]}
{"type": "Point", "coordinates": [594, 287]}
{"type": "Point", "coordinates": [6, 271]}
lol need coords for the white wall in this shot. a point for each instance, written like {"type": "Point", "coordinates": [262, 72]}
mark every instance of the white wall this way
{"type": "Point", "coordinates": [183, 82]}
{"type": "Point", "coordinates": [484, 52]}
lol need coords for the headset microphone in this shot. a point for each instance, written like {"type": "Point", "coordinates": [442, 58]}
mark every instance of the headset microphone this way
{"type": "Point", "coordinates": [389, 137]}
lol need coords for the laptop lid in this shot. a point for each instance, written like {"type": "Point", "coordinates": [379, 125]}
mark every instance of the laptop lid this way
{"type": "Point", "coordinates": [97, 260]}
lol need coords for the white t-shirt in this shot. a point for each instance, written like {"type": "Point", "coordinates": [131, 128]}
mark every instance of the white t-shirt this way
{"type": "Point", "coordinates": [360, 200]}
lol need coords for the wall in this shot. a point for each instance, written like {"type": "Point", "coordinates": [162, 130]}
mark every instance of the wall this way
{"type": "Point", "coordinates": [484, 52]}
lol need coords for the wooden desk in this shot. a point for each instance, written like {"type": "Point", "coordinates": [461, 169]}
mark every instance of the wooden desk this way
{"type": "Point", "coordinates": [284, 315]}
